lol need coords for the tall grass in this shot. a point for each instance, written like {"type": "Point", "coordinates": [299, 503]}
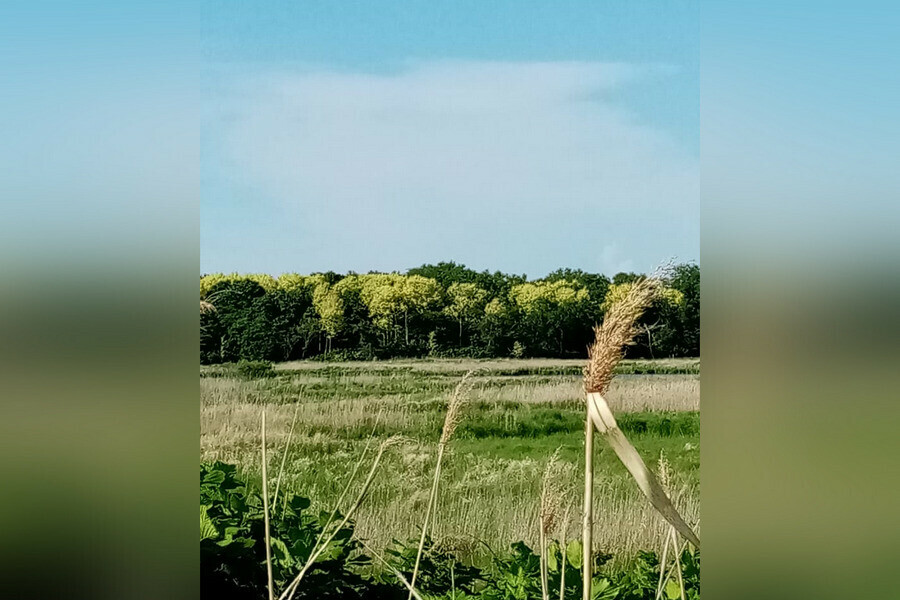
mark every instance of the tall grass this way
{"type": "Point", "coordinates": [553, 493]}
{"type": "Point", "coordinates": [451, 421]}
{"type": "Point", "coordinates": [618, 330]}
{"type": "Point", "coordinates": [490, 481]}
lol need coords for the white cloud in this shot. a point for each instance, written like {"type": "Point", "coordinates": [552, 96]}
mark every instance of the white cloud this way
{"type": "Point", "coordinates": [494, 164]}
{"type": "Point", "coordinates": [612, 260]}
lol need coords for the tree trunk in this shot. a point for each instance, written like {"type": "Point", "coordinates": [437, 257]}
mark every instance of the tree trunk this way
{"type": "Point", "coordinates": [406, 326]}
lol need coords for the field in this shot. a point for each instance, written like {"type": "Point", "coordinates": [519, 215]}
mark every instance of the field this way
{"type": "Point", "coordinates": [521, 411]}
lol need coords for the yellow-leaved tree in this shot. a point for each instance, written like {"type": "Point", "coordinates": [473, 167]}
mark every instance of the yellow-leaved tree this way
{"type": "Point", "coordinates": [390, 296]}
{"type": "Point", "coordinates": [550, 308]}
{"type": "Point", "coordinates": [467, 302]}
{"type": "Point", "coordinates": [666, 297]}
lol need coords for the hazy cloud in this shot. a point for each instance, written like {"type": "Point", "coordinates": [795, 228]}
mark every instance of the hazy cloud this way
{"type": "Point", "coordinates": [518, 166]}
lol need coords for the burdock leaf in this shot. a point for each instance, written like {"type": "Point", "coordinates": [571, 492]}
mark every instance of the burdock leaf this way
{"type": "Point", "coordinates": [573, 553]}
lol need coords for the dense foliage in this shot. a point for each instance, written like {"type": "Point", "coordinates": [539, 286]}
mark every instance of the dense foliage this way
{"type": "Point", "coordinates": [233, 558]}
{"type": "Point", "coordinates": [232, 544]}
{"type": "Point", "coordinates": [433, 310]}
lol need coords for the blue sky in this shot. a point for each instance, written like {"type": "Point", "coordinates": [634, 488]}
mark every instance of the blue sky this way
{"type": "Point", "coordinates": [366, 135]}
{"type": "Point", "coordinates": [503, 135]}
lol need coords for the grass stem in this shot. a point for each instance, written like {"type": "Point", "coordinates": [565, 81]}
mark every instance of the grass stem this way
{"type": "Point", "coordinates": [265, 492]}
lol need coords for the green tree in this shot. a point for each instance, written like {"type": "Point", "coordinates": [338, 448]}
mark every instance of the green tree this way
{"type": "Point", "coordinates": [258, 317]}
{"type": "Point", "coordinates": [686, 279]}
{"type": "Point", "coordinates": [466, 303]}
{"type": "Point", "coordinates": [330, 309]}
{"type": "Point", "coordinates": [390, 297]}
{"type": "Point", "coordinates": [659, 323]}
{"type": "Point", "coordinates": [549, 310]}
{"type": "Point", "coordinates": [597, 286]}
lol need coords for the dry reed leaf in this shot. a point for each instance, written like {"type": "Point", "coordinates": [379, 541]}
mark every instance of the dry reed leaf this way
{"type": "Point", "coordinates": [605, 423]}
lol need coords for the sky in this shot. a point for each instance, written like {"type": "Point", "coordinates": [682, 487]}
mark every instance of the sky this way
{"type": "Point", "coordinates": [336, 135]}
{"type": "Point", "coordinates": [382, 136]}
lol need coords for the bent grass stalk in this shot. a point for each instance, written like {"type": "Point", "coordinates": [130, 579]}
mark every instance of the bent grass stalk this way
{"type": "Point", "coordinates": [350, 481]}
{"type": "Point", "coordinates": [663, 567]}
{"type": "Point", "coordinates": [292, 588]}
{"type": "Point", "coordinates": [684, 546]}
{"type": "Point", "coordinates": [287, 449]}
{"type": "Point", "coordinates": [451, 420]}
{"type": "Point", "coordinates": [399, 575]}
{"type": "Point", "coordinates": [674, 539]}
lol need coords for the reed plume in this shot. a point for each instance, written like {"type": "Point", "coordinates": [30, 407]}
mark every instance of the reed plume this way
{"type": "Point", "coordinates": [618, 331]}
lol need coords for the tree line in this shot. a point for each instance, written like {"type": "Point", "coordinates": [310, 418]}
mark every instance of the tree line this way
{"type": "Point", "coordinates": [443, 309]}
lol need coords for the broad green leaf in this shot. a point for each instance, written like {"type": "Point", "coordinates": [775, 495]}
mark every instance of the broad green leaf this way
{"type": "Point", "coordinates": [207, 527]}
{"type": "Point", "coordinates": [602, 589]}
{"type": "Point", "coordinates": [552, 557]}
{"type": "Point", "coordinates": [281, 550]}
{"type": "Point", "coordinates": [214, 477]}
{"type": "Point", "coordinates": [298, 503]}
{"type": "Point", "coordinates": [573, 553]}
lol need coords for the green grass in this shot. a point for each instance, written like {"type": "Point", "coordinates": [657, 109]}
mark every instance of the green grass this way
{"type": "Point", "coordinates": [521, 412]}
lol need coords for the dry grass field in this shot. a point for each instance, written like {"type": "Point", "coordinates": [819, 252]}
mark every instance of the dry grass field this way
{"type": "Point", "coordinates": [521, 411]}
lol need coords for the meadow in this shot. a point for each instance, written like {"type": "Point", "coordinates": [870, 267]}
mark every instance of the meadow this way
{"type": "Point", "coordinates": [520, 413]}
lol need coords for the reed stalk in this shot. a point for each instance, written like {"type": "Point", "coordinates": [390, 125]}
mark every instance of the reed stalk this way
{"type": "Point", "coordinates": [551, 498]}
{"type": "Point", "coordinates": [587, 524]}
{"type": "Point", "coordinates": [265, 493]}
{"type": "Point", "coordinates": [611, 337]}
{"type": "Point", "coordinates": [399, 575]}
{"type": "Point", "coordinates": [562, 552]}
{"type": "Point", "coordinates": [287, 449]}
{"type": "Point", "coordinates": [451, 420]}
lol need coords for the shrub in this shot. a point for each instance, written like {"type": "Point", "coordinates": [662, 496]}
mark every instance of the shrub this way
{"type": "Point", "coordinates": [232, 544]}
{"type": "Point", "coordinates": [440, 571]}
{"type": "Point", "coordinates": [518, 349]}
{"type": "Point", "coordinates": [254, 369]}
{"type": "Point", "coordinates": [233, 557]}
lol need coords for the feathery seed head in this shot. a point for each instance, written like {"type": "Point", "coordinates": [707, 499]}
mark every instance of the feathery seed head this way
{"type": "Point", "coordinates": [617, 331]}
{"type": "Point", "coordinates": [457, 402]}
{"type": "Point", "coordinates": [664, 472]}
{"type": "Point", "coordinates": [553, 491]}
{"type": "Point", "coordinates": [394, 440]}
